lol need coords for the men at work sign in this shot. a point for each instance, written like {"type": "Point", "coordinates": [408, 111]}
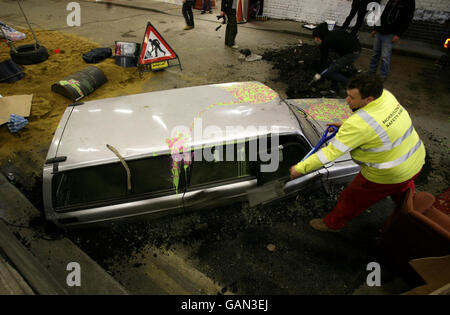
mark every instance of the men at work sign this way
{"type": "Point", "coordinates": [155, 51]}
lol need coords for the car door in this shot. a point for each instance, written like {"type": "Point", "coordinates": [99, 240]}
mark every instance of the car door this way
{"type": "Point", "coordinates": [218, 175]}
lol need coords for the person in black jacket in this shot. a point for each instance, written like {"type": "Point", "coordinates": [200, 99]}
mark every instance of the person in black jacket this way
{"type": "Point", "coordinates": [345, 44]}
{"type": "Point", "coordinates": [394, 21]}
{"type": "Point", "coordinates": [360, 7]}
{"type": "Point", "coordinates": [229, 9]}
{"type": "Point", "coordinates": [186, 9]}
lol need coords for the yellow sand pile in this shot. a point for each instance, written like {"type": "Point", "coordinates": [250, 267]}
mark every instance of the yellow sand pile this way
{"type": "Point", "coordinates": [27, 149]}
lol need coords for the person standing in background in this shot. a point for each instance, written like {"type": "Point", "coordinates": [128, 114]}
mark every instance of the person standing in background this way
{"type": "Point", "coordinates": [186, 9]}
{"type": "Point", "coordinates": [228, 8]}
{"type": "Point", "coordinates": [204, 6]}
{"type": "Point", "coordinates": [360, 7]}
{"type": "Point", "coordinates": [395, 19]}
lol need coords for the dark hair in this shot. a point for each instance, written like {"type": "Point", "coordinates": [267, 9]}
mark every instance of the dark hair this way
{"type": "Point", "coordinates": [321, 31]}
{"type": "Point", "coordinates": [367, 83]}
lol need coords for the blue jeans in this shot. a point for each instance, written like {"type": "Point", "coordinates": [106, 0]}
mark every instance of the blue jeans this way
{"type": "Point", "coordinates": [204, 5]}
{"type": "Point", "coordinates": [382, 47]}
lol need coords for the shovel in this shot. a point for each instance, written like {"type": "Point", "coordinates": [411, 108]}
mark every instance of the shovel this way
{"type": "Point", "coordinates": [280, 188]}
{"type": "Point", "coordinates": [317, 77]}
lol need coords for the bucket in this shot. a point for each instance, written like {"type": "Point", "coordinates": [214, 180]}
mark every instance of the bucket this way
{"type": "Point", "coordinates": [331, 24]}
{"type": "Point", "coordinates": [127, 54]}
{"type": "Point", "coordinates": [81, 83]}
{"type": "Point", "coordinates": [10, 72]}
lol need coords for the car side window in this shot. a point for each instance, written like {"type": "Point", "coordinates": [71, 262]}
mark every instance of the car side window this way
{"type": "Point", "coordinates": [89, 184]}
{"type": "Point", "coordinates": [154, 174]}
{"type": "Point", "coordinates": [219, 164]}
{"type": "Point", "coordinates": [292, 149]}
{"type": "Point", "coordinates": [107, 183]}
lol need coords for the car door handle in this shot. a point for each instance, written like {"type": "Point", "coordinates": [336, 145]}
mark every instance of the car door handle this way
{"type": "Point", "coordinates": [297, 183]}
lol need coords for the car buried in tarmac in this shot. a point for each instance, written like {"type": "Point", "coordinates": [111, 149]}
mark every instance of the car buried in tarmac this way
{"type": "Point", "coordinates": [167, 152]}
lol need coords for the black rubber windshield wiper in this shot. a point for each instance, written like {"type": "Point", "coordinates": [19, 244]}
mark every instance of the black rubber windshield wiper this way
{"type": "Point", "coordinates": [308, 119]}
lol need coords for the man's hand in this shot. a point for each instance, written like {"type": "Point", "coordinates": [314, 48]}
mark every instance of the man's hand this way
{"type": "Point", "coordinates": [222, 13]}
{"type": "Point", "coordinates": [337, 124]}
{"type": "Point", "coordinates": [293, 173]}
{"type": "Point", "coordinates": [372, 34]}
{"type": "Point", "coordinates": [395, 39]}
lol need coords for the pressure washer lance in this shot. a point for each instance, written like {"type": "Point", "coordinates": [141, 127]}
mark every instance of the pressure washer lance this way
{"type": "Point", "coordinates": [223, 22]}
{"type": "Point", "coordinates": [317, 77]}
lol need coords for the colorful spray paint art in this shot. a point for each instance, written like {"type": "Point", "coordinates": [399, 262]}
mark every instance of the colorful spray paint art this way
{"type": "Point", "coordinates": [251, 92]}
{"type": "Point", "coordinates": [181, 158]}
{"type": "Point", "coordinates": [75, 84]}
{"type": "Point", "coordinates": [325, 109]}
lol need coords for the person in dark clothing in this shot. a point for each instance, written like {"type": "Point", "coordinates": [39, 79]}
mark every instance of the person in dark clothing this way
{"type": "Point", "coordinates": [204, 6]}
{"type": "Point", "coordinates": [394, 21]}
{"type": "Point", "coordinates": [346, 45]}
{"type": "Point", "coordinates": [360, 7]}
{"type": "Point", "coordinates": [229, 9]}
{"type": "Point", "coordinates": [188, 14]}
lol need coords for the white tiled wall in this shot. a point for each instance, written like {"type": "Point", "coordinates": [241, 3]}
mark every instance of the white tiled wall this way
{"type": "Point", "coordinates": [317, 11]}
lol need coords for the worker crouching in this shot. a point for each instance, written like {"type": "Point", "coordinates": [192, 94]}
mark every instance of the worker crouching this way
{"type": "Point", "coordinates": [346, 45]}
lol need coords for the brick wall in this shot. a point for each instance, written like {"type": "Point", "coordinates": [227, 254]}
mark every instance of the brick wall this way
{"type": "Point", "coordinates": [317, 11]}
{"type": "Point", "coordinates": [311, 11]}
{"type": "Point", "coordinates": [428, 25]}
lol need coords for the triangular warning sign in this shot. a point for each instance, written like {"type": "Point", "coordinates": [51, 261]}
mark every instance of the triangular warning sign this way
{"type": "Point", "coordinates": [154, 47]}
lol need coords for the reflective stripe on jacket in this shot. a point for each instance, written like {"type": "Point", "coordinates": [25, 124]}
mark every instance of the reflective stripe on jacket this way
{"type": "Point", "coordinates": [380, 138]}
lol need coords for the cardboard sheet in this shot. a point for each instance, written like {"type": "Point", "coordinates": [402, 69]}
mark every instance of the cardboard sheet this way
{"type": "Point", "coordinates": [16, 104]}
{"type": "Point", "coordinates": [435, 271]}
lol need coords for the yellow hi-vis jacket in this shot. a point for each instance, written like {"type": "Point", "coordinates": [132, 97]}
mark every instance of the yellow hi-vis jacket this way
{"type": "Point", "coordinates": [380, 138]}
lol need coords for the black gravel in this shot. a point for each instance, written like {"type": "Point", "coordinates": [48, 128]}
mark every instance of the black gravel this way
{"type": "Point", "coordinates": [297, 65]}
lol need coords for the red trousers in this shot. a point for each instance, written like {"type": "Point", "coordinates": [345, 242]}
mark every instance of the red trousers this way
{"type": "Point", "coordinates": [361, 194]}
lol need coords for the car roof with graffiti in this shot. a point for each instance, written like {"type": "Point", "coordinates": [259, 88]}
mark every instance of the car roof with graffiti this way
{"type": "Point", "coordinates": [162, 122]}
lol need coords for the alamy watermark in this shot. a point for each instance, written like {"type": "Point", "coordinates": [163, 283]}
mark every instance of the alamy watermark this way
{"type": "Point", "coordinates": [73, 279]}
{"type": "Point", "coordinates": [374, 277]}
{"type": "Point", "coordinates": [74, 17]}
{"type": "Point", "coordinates": [259, 150]}
{"type": "Point", "coordinates": [374, 15]}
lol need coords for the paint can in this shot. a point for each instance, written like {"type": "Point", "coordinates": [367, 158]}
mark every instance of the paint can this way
{"type": "Point", "coordinates": [331, 24]}
{"type": "Point", "coordinates": [126, 54]}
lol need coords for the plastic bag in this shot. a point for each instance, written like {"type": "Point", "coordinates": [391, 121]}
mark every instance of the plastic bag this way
{"type": "Point", "coordinates": [16, 123]}
{"type": "Point", "coordinates": [11, 33]}
{"type": "Point", "coordinates": [97, 54]}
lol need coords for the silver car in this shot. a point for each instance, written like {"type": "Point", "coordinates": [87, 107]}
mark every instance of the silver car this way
{"type": "Point", "coordinates": [179, 150]}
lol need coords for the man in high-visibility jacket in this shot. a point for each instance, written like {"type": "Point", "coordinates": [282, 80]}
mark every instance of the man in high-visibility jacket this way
{"type": "Point", "coordinates": [381, 139]}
